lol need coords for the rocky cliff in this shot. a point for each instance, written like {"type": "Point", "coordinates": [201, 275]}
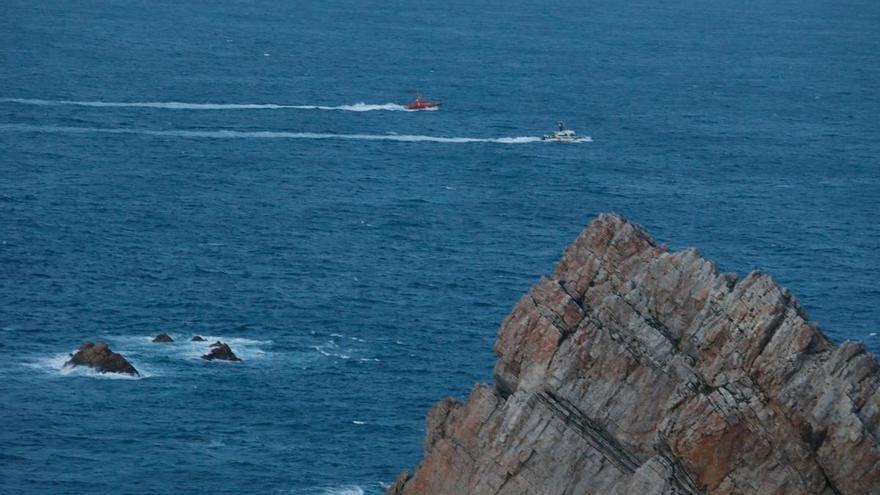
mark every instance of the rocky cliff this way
{"type": "Point", "coordinates": [633, 370]}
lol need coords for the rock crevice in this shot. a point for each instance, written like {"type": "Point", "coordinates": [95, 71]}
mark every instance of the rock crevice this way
{"type": "Point", "coordinates": [635, 370]}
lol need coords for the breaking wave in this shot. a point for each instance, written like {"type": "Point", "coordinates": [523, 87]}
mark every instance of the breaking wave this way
{"type": "Point", "coordinates": [344, 490]}
{"type": "Point", "coordinates": [232, 134]}
{"type": "Point", "coordinates": [339, 490]}
{"type": "Point", "coordinates": [179, 105]}
{"type": "Point", "coordinates": [143, 346]}
{"type": "Point", "coordinates": [55, 365]}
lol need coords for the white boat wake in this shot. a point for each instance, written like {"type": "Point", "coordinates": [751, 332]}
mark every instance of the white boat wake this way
{"type": "Point", "coordinates": [178, 105]}
{"type": "Point", "coordinates": [232, 134]}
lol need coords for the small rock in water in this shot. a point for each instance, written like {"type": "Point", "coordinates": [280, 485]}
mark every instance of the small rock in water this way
{"type": "Point", "coordinates": [197, 338]}
{"type": "Point", "coordinates": [221, 351]}
{"type": "Point", "coordinates": [101, 358]}
{"type": "Point", "coordinates": [163, 337]}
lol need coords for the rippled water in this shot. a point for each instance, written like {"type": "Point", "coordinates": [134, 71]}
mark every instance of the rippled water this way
{"type": "Point", "coordinates": [180, 168]}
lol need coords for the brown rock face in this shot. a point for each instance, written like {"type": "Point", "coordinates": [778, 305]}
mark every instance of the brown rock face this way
{"type": "Point", "coordinates": [163, 337]}
{"type": "Point", "coordinates": [101, 358]}
{"type": "Point", "coordinates": [633, 370]}
{"type": "Point", "coordinates": [221, 351]}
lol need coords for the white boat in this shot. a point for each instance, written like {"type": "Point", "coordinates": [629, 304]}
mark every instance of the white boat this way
{"type": "Point", "coordinates": [563, 135]}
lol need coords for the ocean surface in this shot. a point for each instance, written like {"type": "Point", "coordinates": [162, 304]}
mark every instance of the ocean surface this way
{"type": "Point", "coordinates": [245, 171]}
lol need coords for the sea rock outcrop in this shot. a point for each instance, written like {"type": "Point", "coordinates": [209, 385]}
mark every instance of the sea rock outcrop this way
{"type": "Point", "coordinates": [221, 351]}
{"type": "Point", "coordinates": [163, 337]}
{"type": "Point", "coordinates": [633, 370]}
{"type": "Point", "coordinates": [101, 358]}
{"type": "Point", "coordinates": [197, 338]}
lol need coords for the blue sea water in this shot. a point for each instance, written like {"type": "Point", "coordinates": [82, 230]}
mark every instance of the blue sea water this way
{"type": "Point", "coordinates": [358, 264]}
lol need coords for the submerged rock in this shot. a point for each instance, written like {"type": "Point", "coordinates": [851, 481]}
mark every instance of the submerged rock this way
{"type": "Point", "coordinates": [197, 338]}
{"type": "Point", "coordinates": [101, 358]}
{"type": "Point", "coordinates": [220, 350]}
{"type": "Point", "coordinates": [163, 337]}
{"type": "Point", "coordinates": [633, 370]}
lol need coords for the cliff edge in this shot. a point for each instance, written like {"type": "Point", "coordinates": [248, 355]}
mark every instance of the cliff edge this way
{"type": "Point", "coordinates": [633, 370]}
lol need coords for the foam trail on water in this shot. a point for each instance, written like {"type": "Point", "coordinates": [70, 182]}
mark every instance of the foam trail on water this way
{"type": "Point", "coordinates": [231, 134]}
{"type": "Point", "coordinates": [179, 105]}
{"type": "Point", "coordinates": [361, 107]}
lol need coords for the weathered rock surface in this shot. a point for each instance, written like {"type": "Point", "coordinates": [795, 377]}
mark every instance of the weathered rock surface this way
{"type": "Point", "coordinates": [633, 370]}
{"type": "Point", "coordinates": [101, 358]}
{"type": "Point", "coordinates": [197, 338]}
{"type": "Point", "coordinates": [220, 350]}
{"type": "Point", "coordinates": [163, 337]}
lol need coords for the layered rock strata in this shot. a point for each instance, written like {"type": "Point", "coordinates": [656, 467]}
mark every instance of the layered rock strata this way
{"type": "Point", "coordinates": [633, 370]}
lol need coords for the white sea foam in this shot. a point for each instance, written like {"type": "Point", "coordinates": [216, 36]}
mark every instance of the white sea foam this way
{"type": "Point", "coordinates": [330, 350]}
{"type": "Point", "coordinates": [246, 349]}
{"type": "Point", "coordinates": [356, 422]}
{"type": "Point", "coordinates": [240, 340]}
{"type": "Point", "coordinates": [55, 365]}
{"type": "Point", "coordinates": [339, 490]}
{"type": "Point", "coordinates": [344, 349]}
{"type": "Point", "coordinates": [232, 134]}
{"type": "Point", "coordinates": [344, 490]}
{"type": "Point", "coordinates": [142, 346]}
{"type": "Point", "coordinates": [180, 105]}
{"type": "Point", "coordinates": [360, 107]}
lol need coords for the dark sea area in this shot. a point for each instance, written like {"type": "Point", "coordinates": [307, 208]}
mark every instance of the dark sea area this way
{"type": "Point", "coordinates": [243, 170]}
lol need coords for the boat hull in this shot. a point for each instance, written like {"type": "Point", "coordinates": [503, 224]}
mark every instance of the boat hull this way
{"type": "Point", "coordinates": [423, 105]}
{"type": "Point", "coordinates": [582, 139]}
